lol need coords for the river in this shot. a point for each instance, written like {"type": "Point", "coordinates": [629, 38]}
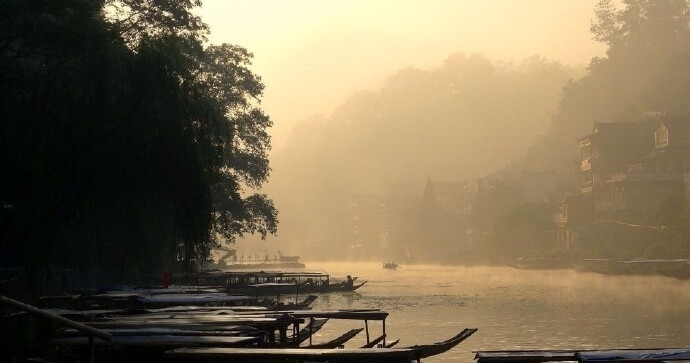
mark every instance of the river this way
{"type": "Point", "coordinates": [513, 309]}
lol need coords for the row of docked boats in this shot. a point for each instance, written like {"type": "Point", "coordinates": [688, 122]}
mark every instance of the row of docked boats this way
{"type": "Point", "coordinates": [201, 323]}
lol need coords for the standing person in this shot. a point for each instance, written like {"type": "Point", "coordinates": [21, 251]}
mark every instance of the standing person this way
{"type": "Point", "coordinates": [165, 280]}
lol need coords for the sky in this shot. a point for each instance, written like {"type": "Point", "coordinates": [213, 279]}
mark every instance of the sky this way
{"type": "Point", "coordinates": [312, 55]}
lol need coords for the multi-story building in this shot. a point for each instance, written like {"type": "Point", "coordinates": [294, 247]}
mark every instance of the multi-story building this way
{"type": "Point", "coordinates": [610, 149]}
{"type": "Point", "coordinates": [659, 174]}
{"type": "Point", "coordinates": [627, 169]}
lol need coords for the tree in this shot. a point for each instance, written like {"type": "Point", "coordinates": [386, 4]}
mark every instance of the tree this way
{"type": "Point", "coordinates": [127, 142]}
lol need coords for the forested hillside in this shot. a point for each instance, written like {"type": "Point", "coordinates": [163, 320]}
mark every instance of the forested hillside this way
{"type": "Point", "coordinates": [461, 120]}
{"type": "Point", "coordinates": [645, 70]}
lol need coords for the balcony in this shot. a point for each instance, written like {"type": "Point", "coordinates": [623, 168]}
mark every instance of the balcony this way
{"type": "Point", "coordinates": [586, 164]}
{"type": "Point", "coordinates": [586, 187]}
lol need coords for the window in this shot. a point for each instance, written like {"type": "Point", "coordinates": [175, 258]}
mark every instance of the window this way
{"type": "Point", "coordinates": [661, 137]}
{"type": "Point", "coordinates": [585, 152]}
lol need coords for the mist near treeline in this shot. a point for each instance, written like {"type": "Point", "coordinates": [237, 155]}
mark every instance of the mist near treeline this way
{"type": "Point", "coordinates": [447, 123]}
{"type": "Point", "coordinates": [383, 176]}
{"type": "Point", "coordinates": [127, 133]}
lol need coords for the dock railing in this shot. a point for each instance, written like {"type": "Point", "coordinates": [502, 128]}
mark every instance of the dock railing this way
{"type": "Point", "coordinates": [88, 330]}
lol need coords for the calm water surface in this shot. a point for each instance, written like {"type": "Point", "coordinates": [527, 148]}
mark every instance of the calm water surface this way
{"type": "Point", "coordinates": [513, 309]}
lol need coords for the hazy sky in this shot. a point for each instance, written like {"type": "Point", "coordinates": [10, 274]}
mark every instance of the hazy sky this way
{"type": "Point", "coordinates": [313, 54]}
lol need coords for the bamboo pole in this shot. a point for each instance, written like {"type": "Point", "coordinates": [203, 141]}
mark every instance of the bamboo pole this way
{"type": "Point", "coordinates": [57, 318]}
{"type": "Point", "coordinates": [384, 332]}
{"type": "Point", "coordinates": [366, 329]}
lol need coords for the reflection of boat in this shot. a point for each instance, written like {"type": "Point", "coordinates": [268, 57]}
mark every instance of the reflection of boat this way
{"type": "Point", "coordinates": [391, 265]}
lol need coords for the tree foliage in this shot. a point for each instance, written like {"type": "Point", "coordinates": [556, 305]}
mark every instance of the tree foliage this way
{"type": "Point", "coordinates": [127, 142]}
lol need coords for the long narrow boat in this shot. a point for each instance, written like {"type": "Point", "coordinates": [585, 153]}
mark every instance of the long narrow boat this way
{"type": "Point", "coordinates": [318, 355]}
{"type": "Point", "coordinates": [161, 341]}
{"type": "Point", "coordinates": [269, 283]}
{"type": "Point", "coordinates": [585, 356]}
{"type": "Point", "coordinates": [524, 356]}
{"type": "Point", "coordinates": [147, 331]}
{"type": "Point", "coordinates": [635, 355]}
{"type": "Point", "coordinates": [428, 350]}
{"type": "Point", "coordinates": [392, 355]}
{"type": "Point", "coordinates": [301, 305]}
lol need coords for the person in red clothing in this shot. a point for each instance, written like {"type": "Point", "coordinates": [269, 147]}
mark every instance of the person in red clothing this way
{"type": "Point", "coordinates": [165, 280]}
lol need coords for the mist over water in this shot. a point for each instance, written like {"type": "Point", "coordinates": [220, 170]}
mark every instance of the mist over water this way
{"type": "Point", "coordinates": [513, 309]}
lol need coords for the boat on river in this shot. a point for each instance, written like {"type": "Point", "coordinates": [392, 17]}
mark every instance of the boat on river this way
{"type": "Point", "coordinates": [391, 265]}
{"type": "Point", "coordinates": [271, 283]}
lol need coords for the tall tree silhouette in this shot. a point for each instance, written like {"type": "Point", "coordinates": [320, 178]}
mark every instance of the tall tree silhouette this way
{"type": "Point", "coordinates": [126, 141]}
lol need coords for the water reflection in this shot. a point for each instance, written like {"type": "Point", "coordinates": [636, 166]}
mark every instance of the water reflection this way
{"type": "Point", "coordinates": [514, 309]}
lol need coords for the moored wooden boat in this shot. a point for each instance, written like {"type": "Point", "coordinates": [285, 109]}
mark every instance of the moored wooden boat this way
{"type": "Point", "coordinates": [271, 283]}
{"type": "Point", "coordinates": [161, 341]}
{"type": "Point", "coordinates": [635, 355]}
{"type": "Point", "coordinates": [303, 354]}
{"type": "Point", "coordinates": [146, 334]}
{"type": "Point", "coordinates": [428, 350]}
{"type": "Point", "coordinates": [524, 356]}
{"type": "Point", "coordinates": [301, 305]}
{"type": "Point", "coordinates": [583, 356]}
{"type": "Point", "coordinates": [319, 354]}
